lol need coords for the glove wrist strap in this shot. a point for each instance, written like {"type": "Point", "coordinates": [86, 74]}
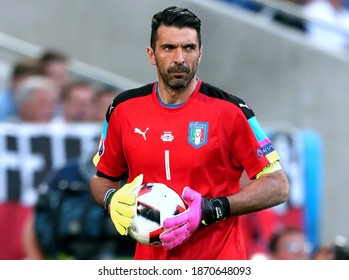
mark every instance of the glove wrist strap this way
{"type": "Point", "coordinates": [215, 210]}
{"type": "Point", "coordinates": [221, 208]}
{"type": "Point", "coordinates": [107, 198]}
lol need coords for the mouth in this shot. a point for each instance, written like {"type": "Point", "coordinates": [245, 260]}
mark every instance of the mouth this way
{"type": "Point", "coordinates": [178, 76]}
{"type": "Point", "coordinates": [177, 73]}
{"type": "Point", "coordinates": [179, 70]}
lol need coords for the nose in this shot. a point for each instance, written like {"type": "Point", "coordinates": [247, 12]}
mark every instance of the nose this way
{"type": "Point", "coordinates": [179, 56]}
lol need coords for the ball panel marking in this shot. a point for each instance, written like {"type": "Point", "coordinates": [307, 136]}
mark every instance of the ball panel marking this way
{"type": "Point", "coordinates": [155, 202]}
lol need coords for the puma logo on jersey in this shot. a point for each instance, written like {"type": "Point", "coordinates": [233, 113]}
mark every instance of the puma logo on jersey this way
{"type": "Point", "coordinates": [137, 130]}
{"type": "Point", "coordinates": [244, 105]}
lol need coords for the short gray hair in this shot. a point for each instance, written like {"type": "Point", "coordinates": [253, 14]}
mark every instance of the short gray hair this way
{"type": "Point", "coordinates": [27, 87]}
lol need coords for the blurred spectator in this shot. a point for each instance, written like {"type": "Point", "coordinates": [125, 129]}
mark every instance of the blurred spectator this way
{"type": "Point", "coordinates": [68, 224]}
{"type": "Point", "coordinates": [329, 25]}
{"type": "Point", "coordinates": [23, 68]}
{"type": "Point", "coordinates": [56, 66]}
{"type": "Point", "coordinates": [325, 252]}
{"type": "Point", "coordinates": [337, 250]}
{"type": "Point", "coordinates": [289, 244]}
{"type": "Point", "coordinates": [36, 99]}
{"type": "Point", "coordinates": [77, 101]}
{"type": "Point", "coordinates": [103, 98]}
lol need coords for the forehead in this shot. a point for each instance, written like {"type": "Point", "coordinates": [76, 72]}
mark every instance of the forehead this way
{"type": "Point", "coordinates": [294, 236]}
{"type": "Point", "coordinates": [175, 35]}
{"type": "Point", "coordinates": [43, 94]}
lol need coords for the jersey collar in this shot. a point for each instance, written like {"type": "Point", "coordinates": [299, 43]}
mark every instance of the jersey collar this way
{"type": "Point", "coordinates": [198, 83]}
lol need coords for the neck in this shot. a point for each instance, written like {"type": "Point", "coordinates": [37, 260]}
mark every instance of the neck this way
{"type": "Point", "coordinates": [176, 96]}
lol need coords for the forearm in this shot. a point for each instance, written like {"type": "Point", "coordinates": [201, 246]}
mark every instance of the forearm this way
{"type": "Point", "coordinates": [267, 191]}
{"type": "Point", "coordinates": [99, 186]}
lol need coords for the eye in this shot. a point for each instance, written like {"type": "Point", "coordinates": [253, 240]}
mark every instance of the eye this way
{"type": "Point", "coordinates": [190, 47]}
{"type": "Point", "coordinates": [168, 48]}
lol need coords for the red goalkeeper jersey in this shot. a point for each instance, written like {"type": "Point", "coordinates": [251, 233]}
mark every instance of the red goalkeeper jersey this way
{"type": "Point", "coordinates": [205, 143]}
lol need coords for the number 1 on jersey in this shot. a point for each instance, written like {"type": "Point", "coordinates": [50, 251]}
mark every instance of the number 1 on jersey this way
{"type": "Point", "coordinates": [167, 165]}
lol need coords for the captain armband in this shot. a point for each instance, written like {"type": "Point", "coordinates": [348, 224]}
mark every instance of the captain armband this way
{"type": "Point", "coordinates": [272, 167]}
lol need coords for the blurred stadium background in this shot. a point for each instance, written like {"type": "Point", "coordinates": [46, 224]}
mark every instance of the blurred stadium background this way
{"type": "Point", "coordinates": [292, 84]}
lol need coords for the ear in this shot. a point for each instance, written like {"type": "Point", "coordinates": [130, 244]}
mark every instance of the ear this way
{"type": "Point", "coordinates": [199, 60]}
{"type": "Point", "coordinates": [151, 55]}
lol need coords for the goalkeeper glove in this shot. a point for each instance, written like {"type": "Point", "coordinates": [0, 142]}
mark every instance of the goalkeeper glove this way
{"type": "Point", "coordinates": [120, 204]}
{"type": "Point", "coordinates": [200, 211]}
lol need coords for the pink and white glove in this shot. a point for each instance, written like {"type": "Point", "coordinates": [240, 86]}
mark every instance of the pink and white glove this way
{"type": "Point", "coordinates": [200, 211]}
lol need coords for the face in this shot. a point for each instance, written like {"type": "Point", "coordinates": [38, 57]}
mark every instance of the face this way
{"type": "Point", "coordinates": [176, 55]}
{"type": "Point", "coordinates": [41, 107]}
{"type": "Point", "coordinates": [293, 246]}
{"type": "Point", "coordinates": [78, 107]}
{"type": "Point", "coordinates": [58, 72]}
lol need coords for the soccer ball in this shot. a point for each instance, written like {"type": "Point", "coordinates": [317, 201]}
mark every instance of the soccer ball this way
{"type": "Point", "coordinates": [154, 203]}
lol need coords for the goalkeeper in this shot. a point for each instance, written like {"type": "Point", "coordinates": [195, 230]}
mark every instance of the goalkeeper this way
{"type": "Point", "coordinates": [193, 137]}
